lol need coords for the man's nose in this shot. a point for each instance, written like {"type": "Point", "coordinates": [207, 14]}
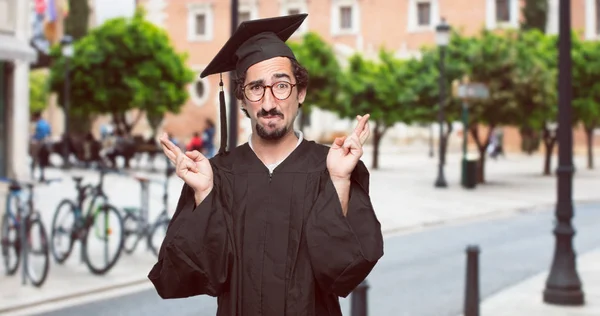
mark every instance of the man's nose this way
{"type": "Point", "coordinates": [268, 100]}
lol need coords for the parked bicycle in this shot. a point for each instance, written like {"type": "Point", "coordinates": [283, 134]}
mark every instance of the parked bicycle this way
{"type": "Point", "coordinates": [23, 234]}
{"type": "Point", "coordinates": [136, 220]}
{"type": "Point", "coordinates": [101, 222]}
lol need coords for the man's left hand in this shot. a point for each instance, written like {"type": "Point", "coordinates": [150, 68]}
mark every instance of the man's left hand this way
{"type": "Point", "coordinates": [347, 150]}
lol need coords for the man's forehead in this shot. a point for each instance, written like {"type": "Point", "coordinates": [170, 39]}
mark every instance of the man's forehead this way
{"type": "Point", "coordinates": [274, 68]}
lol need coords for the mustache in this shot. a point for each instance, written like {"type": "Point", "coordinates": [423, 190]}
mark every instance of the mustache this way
{"type": "Point", "coordinates": [272, 112]}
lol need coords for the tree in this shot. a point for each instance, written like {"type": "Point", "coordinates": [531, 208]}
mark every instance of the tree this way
{"type": "Point", "coordinates": [77, 22]}
{"type": "Point", "coordinates": [124, 64]}
{"type": "Point", "coordinates": [323, 68]}
{"type": "Point", "coordinates": [38, 90]}
{"type": "Point", "coordinates": [535, 83]}
{"type": "Point", "coordinates": [586, 89]}
{"type": "Point", "coordinates": [535, 14]}
{"type": "Point", "coordinates": [492, 61]}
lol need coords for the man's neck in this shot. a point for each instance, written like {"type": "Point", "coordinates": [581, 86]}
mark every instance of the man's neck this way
{"type": "Point", "coordinates": [270, 152]}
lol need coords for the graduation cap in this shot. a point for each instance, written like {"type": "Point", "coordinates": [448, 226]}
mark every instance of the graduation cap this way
{"type": "Point", "coordinates": [252, 42]}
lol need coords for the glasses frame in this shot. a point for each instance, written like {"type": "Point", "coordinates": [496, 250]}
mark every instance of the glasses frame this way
{"type": "Point", "coordinates": [271, 89]}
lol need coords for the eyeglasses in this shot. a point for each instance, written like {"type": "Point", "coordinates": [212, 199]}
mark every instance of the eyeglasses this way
{"type": "Point", "coordinates": [281, 90]}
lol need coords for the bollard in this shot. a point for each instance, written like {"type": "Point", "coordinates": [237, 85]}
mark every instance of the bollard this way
{"type": "Point", "coordinates": [472, 283]}
{"type": "Point", "coordinates": [359, 300]}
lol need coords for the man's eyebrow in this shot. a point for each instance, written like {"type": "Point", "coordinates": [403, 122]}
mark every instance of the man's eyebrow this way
{"type": "Point", "coordinates": [256, 82]}
{"type": "Point", "coordinates": [282, 75]}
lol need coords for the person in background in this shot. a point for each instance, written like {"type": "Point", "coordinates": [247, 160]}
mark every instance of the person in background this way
{"type": "Point", "coordinates": [195, 143]}
{"type": "Point", "coordinates": [39, 147]}
{"type": "Point", "coordinates": [209, 133]}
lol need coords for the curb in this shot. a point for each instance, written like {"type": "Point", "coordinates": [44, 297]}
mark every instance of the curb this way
{"type": "Point", "coordinates": [61, 298]}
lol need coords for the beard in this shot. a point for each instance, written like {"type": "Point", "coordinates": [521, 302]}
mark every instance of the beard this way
{"type": "Point", "coordinates": [272, 135]}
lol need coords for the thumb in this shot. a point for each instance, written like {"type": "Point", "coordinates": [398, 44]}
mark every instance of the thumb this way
{"type": "Point", "coordinates": [339, 141]}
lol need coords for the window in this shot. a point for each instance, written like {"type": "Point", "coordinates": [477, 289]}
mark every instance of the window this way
{"type": "Point", "coordinates": [200, 22]}
{"type": "Point", "coordinates": [291, 7]}
{"type": "Point", "coordinates": [199, 90]}
{"type": "Point", "coordinates": [424, 13]}
{"type": "Point", "coordinates": [502, 14]}
{"type": "Point", "coordinates": [503, 11]}
{"type": "Point", "coordinates": [7, 16]}
{"type": "Point", "coordinates": [597, 17]}
{"type": "Point", "coordinates": [243, 16]}
{"type": "Point", "coordinates": [345, 17]}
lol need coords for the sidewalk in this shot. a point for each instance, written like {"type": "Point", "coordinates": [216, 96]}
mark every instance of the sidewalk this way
{"type": "Point", "coordinates": [402, 191]}
{"type": "Point", "coordinates": [526, 298]}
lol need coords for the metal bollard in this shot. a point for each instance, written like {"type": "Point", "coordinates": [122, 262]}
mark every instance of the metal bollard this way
{"type": "Point", "coordinates": [358, 305]}
{"type": "Point", "coordinates": [471, 307]}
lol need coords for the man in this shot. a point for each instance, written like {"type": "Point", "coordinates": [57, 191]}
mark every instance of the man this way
{"type": "Point", "coordinates": [279, 225]}
{"type": "Point", "coordinates": [39, 144]}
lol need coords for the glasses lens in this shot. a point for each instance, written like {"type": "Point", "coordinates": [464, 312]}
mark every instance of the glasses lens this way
{"type": "Point", "coordinates": [254, 92]}
{"type": "Point", "coordinates": [282, 90]}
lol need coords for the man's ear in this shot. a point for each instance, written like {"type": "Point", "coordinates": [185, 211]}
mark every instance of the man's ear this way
{"type": "Point", "coordinates": [301, 95]}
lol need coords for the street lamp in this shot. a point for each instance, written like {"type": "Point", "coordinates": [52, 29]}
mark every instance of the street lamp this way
{"type": "Point", "coordinates": [67, 51]}
{"type": "Point", "coordinates": [563, 286]}
{"type": "Point", "coordinates": [442, 38]}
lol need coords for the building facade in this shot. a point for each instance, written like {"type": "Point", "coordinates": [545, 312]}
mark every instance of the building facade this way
{"type": "Point", "coordinates": [16, 56]}
{"type": "Point", "coordinates": [201, 27]}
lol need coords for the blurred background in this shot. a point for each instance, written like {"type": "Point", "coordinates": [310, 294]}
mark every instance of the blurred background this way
{"type": "Point", "coordinates": [465, 97]}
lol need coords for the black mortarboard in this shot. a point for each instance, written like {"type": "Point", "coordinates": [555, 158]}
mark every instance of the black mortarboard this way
{"type": "Point", "coordinates": [252, 42]}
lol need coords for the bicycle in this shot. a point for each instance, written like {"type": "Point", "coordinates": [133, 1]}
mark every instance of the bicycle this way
{"type": "Point", "coordinates": [136, 221]}
{"type": "Point", "coordinates": [18, 239]}
{"type": "Point", "coordinates": [101, 221]}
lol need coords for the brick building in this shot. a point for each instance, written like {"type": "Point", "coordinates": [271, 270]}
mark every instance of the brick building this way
{"type": "Point", "coordinates": [201, 27]}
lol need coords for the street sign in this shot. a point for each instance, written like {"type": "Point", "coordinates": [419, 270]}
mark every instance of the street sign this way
{"type": "Point", "coordinates": [473, 91]}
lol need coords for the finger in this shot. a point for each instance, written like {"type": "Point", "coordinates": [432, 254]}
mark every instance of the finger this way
{"type": "Point", "coordinates": [364, 135]}
{"type": "Point", "coordinates": [184, 163]}
{"type": "Point", "coordinates": [362, 121]}
{"type": "Point", "coordinates": [195, 155]}
{"type": "Point", "coordinates": [166, 142]}
{"type": "Point", "coordinates": [171, 155]}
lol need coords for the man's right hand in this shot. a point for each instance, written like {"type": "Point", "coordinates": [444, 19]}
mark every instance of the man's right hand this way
{"type": "Point", "coordinates": [192, 167]}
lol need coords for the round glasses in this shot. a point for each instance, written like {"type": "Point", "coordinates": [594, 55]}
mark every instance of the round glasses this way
{"type": "Point", "coordinates": [281, 90]}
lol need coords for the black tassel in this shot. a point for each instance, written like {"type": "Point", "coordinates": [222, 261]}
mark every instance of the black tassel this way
{"type": "Point", "coordinates": [223, 114]}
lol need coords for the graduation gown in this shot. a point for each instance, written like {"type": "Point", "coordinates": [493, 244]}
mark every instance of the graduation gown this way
{"type": "Point", "coordinates": [271, 244]}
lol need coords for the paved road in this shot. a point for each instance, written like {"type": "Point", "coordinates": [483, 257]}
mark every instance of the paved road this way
{"type": "Point", "coordinates": [421, 273]}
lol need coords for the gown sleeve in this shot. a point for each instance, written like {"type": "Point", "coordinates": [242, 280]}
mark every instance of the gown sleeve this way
{"type": "Point", "coordinates": [195, 257]}
{"type": "Point", "coordinates": [343, 249]}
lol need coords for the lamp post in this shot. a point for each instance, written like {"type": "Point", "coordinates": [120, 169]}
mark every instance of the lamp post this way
{"type": "Point", "coordinates": [67, 52]}
{"type": "Point", "coordinates": [233, 108]}
{"type": "Point", "coordinates": [442, 38]}
{"type": "Point", "coordinates": [563, 286]}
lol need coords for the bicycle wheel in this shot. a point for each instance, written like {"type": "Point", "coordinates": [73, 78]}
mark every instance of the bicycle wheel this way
{"type": "Point", "coordinates": [63, 230]}
{"type": "Point", "coordinates": [9, 234]}
{"type": "Point", "coordinates": [158, 233]}
{"type": "Point", "coordinates": [131, 235]}
{"type": "Point", "coordinates": [37, 248]}
{"type": "Point", "coordinates": [103, 239]}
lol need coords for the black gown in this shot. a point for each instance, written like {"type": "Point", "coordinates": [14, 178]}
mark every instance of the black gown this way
{"type": "Point", "coordinates": [271, 244]}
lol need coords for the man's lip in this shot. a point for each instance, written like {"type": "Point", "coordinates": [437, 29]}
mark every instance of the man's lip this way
{"type": "Point", "coordinates": [270, 116]}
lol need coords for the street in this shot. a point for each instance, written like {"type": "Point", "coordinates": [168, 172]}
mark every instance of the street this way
{"type": "Point", "coordinates": [421, 273]}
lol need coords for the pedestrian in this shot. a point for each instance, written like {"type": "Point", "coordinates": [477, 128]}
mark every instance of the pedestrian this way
{"type": "Point", "coordinates": [279, 225]}
{"type": "Point", "coordinates": [40, 145]}
{"type": "Point", "coordinates": [195, 143]}
{"type": "Point", "coordinates": [208, 142]}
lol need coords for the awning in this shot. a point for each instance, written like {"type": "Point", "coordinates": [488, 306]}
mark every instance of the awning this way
{"type": "Point", "coordinates": [13, 49]}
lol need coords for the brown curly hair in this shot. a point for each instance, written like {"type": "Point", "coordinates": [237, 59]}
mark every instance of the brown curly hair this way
{"type": "Point", "coordinates": [300, 74]}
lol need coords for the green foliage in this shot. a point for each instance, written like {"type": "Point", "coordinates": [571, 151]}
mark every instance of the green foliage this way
{"type": "Point", "coordinates": [535, 14]}
{"type": "Point", "coordinates": [323, 68]}
{"type": "Point", "coordinates": [122, 65]}
{"type": "Point", "coordinates": [586, 82]}
{"type": "Point", "coordinates": [38, 90]}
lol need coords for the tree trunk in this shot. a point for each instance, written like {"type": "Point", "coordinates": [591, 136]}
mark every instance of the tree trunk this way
{"type": "Point", "coordinates": [482, 145]}
{"type": "Point", "coordinates": [445, 140]}
{"type": "Point", "coordinates": [589, 133]}
{"type": "Point", "coordinates": [378, 133]}
{"type": "Point", "coordinates": [549, 142]}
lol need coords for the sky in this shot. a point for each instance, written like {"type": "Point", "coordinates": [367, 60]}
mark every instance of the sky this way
{"type": "Point", "coordinates": [107, 9]}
